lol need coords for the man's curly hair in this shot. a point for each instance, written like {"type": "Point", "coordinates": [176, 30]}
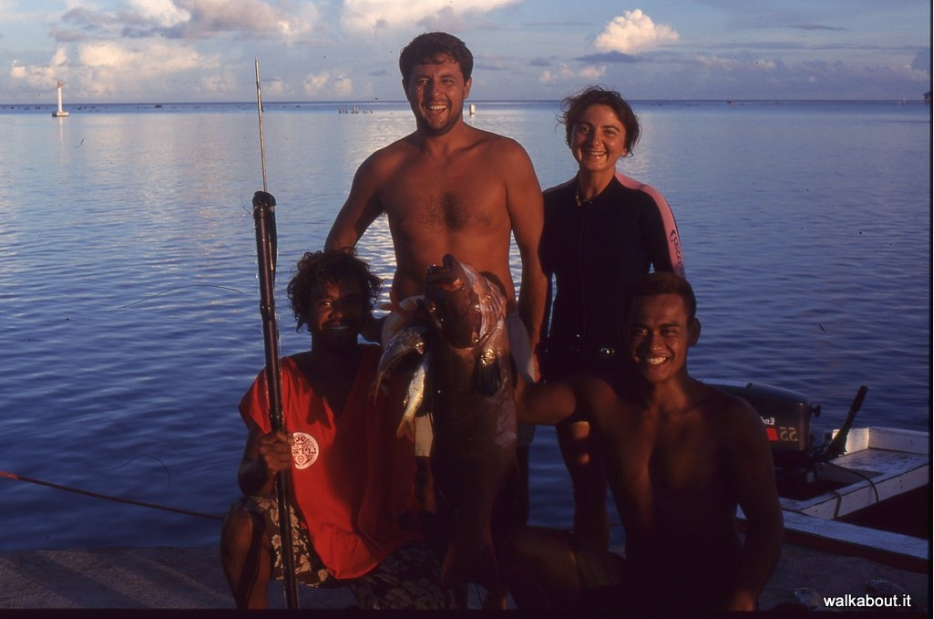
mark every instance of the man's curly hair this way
{"type": "Point", "coordinates": [434, 48]}
{"type": "Point", "coordinates": [328, 267]}
{"type": "Point", "coordinates": [659, 283]}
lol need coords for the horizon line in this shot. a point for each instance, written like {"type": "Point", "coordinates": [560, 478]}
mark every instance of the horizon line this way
{"type": "Point", "coordinates": [267, 102]}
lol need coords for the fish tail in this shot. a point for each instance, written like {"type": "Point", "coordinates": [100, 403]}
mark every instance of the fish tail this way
{"type": "Point", "coordinates": [468, 561]}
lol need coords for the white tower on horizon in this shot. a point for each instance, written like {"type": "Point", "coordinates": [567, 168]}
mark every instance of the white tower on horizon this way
{"type": "Point", "coordinates": [60, 113]}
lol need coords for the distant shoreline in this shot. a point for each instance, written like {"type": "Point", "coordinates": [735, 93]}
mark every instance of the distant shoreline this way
{"type": "Point", "coordinates": [391, 104]}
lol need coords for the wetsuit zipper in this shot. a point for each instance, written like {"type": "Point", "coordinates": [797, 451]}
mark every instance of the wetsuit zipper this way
{"type": "Point", "coordinates": [580, 273]}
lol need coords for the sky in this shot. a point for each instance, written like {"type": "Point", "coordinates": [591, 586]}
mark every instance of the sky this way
{"type": "Point", "coordinates": [167, 51]}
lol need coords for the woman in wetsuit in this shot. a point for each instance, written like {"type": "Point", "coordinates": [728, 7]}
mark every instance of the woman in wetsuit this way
{"type": "Point", "coordinates": [602, 231]}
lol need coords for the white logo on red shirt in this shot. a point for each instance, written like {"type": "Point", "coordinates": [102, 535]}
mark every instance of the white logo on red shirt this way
{"type": "Point", "coordinates": [304, 450]}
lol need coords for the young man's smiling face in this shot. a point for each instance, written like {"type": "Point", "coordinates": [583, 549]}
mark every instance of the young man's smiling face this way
{"type": "Point", "coordinates": [660, 332]}
{"type": "Point", "coordinates": [338, 312]}
{"type": "Point", "coordinates": [436, 93]}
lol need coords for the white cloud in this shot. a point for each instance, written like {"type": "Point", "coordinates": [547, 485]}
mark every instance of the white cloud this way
{"type": "Point", "coordinates": [592, 73]}
{"type": "Point", "coordinates": [564, 73]}
{"type": "Point", "coordinates": [107, 54]}
{"type": "Point", "coordinates": [734, 64]}
{"type": "Point", "coordinates": [155, 45]}
{"type": "Point", "coordinates": [367, 15]}
{"type": "Point", "coordinates": [165, 13]}
{"type": "Point", "coordinates": [716, 62]}
{"type": "Point", "coordinates": [39, 78]}
{"type": "Point", "coordinates": [328, 85]}
{"type": "Point", "coordinates": [193, 19]}
{"type": "Point", "coordinates": [120, 70]}
{"type": "Point", "coordinates": [765, 65]}
{"type": "Point", "coordinates": [246, 17]}
{"type": "Point", "coordinates": [634, 31]}
{"type": "Point", "coordinates": [221, 82]}
{"type": "Point", "coordinates": [60, 57]}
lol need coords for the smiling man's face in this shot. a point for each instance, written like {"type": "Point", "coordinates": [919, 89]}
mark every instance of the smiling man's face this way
{"type": "Point", "coordinates": [660, 332]}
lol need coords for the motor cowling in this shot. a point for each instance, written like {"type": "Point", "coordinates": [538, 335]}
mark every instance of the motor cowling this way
{"type": "Point", "coordinates": [786, 415]}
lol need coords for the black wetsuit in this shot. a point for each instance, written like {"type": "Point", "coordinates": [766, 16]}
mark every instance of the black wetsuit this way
{"type": "Point", "coordinates": [595, 250]}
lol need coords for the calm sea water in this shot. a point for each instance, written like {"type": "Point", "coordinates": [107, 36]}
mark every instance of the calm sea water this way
{"type": "Point", "coordinates": [129, 319]}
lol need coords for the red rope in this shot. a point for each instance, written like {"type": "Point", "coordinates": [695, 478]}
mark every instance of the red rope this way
{"type": "Point", "coordinates": [96, 495]}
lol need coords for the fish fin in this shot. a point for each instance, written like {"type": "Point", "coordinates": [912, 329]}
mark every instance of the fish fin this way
{"type": "Point", "coordinates": [489, 373]}
{"type": "Point", "coordinates": [406, 428]}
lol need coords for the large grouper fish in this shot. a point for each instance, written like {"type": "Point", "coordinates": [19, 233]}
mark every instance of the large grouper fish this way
{"type": "Point", "coordinates": [469, 392]}
{"type": "Point", "coordinates": [474, 413]}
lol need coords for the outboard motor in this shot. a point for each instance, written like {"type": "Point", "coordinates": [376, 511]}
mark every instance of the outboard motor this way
{"type": "Point", "coordinates": [787, 418]}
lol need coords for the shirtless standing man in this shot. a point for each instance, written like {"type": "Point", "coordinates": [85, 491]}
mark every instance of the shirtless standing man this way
{"type": "Point", "coordinates": [449, 187]}
{"type": "Point", "coordinates": [679, 457]}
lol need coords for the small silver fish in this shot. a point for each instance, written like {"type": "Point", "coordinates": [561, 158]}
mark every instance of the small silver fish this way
{"type": "Point", "coordinates": [397, 346]}
{"type": "Point", "coordinates": [414, 398]}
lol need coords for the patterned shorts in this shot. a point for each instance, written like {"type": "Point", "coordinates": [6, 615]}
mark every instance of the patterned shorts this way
{"type": "Point", "coordinates": [409, 578]}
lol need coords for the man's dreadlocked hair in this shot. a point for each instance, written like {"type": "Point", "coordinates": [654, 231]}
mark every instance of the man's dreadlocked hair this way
{"type": "Point", "coordinates": [328, 267]}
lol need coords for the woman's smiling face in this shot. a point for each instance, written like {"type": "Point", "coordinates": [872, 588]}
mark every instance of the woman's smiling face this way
{"type": "Point", "coordinates": [598, 139]}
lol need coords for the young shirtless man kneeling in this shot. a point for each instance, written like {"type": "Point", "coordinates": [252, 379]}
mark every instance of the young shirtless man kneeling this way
{"type": "Point", "coordinates": [679, 456]}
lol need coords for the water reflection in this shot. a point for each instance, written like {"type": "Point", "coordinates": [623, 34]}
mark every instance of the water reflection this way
{"type": "Point", "coordinates": [128, 294]}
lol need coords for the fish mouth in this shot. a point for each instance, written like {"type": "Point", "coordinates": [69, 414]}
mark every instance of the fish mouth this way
{"type": "Point", "coordinates": [447, 275]}
{"type": "Point", "coordinates": [452, 302]}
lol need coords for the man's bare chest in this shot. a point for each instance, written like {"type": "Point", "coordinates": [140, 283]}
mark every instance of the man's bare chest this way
{"type": "Point", "coordinates": [451, 208]}
{"type": "Point", "coordinates": [664, 463]}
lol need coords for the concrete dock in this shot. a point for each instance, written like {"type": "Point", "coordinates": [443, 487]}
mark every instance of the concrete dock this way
{"type": "Point", "coordinates": [190, 579]}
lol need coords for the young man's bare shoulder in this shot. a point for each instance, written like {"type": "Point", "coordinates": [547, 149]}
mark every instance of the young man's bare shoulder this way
{"type": "Point", "coordinates": [595, 390]}
{"type": "Point", "coordinates": [717, 401]}
{"type": "Point", "coordinates": [733, 413]}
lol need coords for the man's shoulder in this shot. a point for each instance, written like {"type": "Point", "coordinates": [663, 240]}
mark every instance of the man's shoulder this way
{"type": "Point", "coordinates": [716, 399]}
{"type": "Point", "coordinates": [733, 413]}
{"type": "Point", "coordinates": [598, 390]}
{"type": "Point", "coordinates": [392, 152]}
{"type": "Point", "coordinates": [495, 138]}
{"type": "Point", "coordinates": [495, 144]}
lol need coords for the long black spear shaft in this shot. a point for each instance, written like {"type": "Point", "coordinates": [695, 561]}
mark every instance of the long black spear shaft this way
{"type": "Point", "coordinates": [264, 215]}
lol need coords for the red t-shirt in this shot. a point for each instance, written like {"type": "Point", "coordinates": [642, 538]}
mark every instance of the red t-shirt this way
{"type": "Point", "coordinates": [352, 479]}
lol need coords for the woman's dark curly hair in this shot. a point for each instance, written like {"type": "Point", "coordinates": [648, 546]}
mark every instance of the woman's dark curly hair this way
{"type": "Point", "coordinates": [324, 267]}
{"type": "Point", "coordinates": [574, 107]}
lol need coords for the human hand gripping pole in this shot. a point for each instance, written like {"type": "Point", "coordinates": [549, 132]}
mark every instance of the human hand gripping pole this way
{"type": "Point", "coordinates": [264, 216]}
